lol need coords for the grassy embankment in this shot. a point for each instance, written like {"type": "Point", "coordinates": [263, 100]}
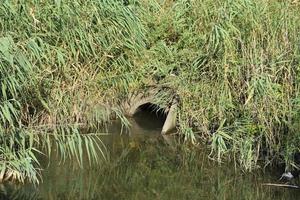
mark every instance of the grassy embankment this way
{"type": "Point", "coordinates": [235, 65]}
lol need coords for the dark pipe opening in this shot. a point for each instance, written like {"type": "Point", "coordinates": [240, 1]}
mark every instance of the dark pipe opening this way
{"type": "Point", "coordinates": [150, 116]}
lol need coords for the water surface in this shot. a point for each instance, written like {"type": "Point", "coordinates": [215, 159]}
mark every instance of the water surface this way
{"type": "Point", "coordinates": [142, 165]}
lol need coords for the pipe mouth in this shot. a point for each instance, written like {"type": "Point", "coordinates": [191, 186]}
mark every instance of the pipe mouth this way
{"type": "Point", "coordinates": [150, 116]}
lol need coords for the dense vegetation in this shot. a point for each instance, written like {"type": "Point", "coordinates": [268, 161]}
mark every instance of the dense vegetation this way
{"type": "Point", "coordinates": [69, 64]}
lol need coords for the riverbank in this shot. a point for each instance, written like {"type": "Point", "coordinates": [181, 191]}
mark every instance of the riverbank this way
{"type": "Point", "coordinates": [234, 65]}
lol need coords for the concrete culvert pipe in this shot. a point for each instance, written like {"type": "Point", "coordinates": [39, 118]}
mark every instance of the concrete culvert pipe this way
{"type": "Point", "coordinates": [143, 102]}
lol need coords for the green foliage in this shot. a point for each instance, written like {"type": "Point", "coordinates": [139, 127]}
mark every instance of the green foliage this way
{"type": "Point", "coordinates": [236, 65]}
{"type": "Point", "coordinates": [16, 152]}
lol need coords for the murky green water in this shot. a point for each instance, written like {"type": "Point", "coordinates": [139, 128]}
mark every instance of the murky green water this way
{"type": "Point", "coordinates": [144, 166]}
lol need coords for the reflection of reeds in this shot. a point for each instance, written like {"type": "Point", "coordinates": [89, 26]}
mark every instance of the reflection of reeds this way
{"type": "Point", "coordinates": [233, 64]}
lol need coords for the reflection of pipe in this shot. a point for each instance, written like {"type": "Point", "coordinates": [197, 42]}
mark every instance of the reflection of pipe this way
{"type": "Point", "coordinates": [170, 122]}
{"type": "Point", "coordinates": [170, 140]}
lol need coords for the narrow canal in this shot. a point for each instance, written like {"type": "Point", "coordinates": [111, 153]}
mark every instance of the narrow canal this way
{"type": "Point", "coordinates": [143, 165]}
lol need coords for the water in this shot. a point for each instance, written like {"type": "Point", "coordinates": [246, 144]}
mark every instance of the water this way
{"type": "Point", "coordinates": [143, 165]}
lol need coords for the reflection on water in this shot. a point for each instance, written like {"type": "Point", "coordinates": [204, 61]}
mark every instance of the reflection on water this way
{"type": "Point", "coordinates": [144, 166]}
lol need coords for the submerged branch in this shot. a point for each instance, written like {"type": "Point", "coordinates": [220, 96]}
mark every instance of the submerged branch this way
{"type": "Point", "coordinates": [281, 185]}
